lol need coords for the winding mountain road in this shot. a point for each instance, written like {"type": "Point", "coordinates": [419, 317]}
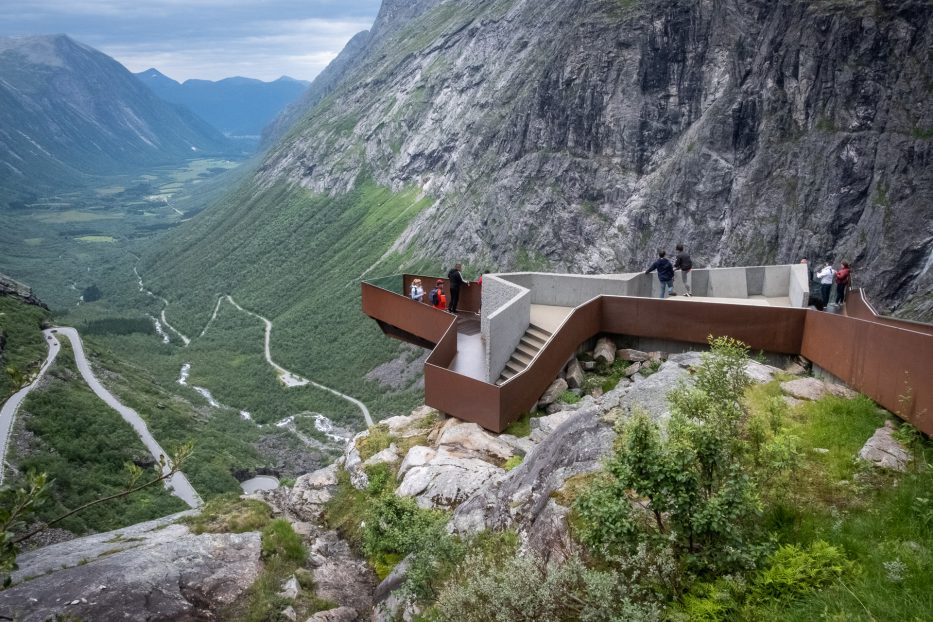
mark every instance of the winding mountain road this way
{"type": "Point", "coordinates": [178, 484]}
{"type": "Point", "coordinates": [291, 379]}
{"type": "Point", "coordinates": [8, 411]}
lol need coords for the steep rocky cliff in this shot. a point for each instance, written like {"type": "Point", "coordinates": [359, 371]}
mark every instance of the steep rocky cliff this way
{"type": "Point", "coordinates": [583, 134]}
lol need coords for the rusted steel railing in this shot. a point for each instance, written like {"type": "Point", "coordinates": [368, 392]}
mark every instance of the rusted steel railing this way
{"type": "Point", "coordinates": [890, 361]}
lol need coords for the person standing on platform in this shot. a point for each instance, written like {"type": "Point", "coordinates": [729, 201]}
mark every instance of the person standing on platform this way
{"type": "Point", "coordinates": [456, 282]}
{"type": "Point", "coordinates": [438, 299]}
{"type": "Point", "coordinates": [825, 276]}
{"type": "Point", "coordinates": [843, 278]}
{"type": "Point", "coordinates": [665, 273]}
{"type": "Point", "coordinates": [683, 263]}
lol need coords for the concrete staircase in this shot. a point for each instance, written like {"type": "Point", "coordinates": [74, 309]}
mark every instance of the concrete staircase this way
{"type": "Point", "coordinates": [529, 346]}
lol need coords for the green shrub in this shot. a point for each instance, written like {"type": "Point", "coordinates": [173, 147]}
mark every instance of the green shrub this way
{"type": "Point", "coordinates": [396, 524]}
{"type": "Point", "coordinates": [794, 570]}
{"type": "Point", "coordinates": [569, 397]}
{"type": "Point", "coordinates": [280, 540]}
{"type": "Point", "coordinates": [377, 440]}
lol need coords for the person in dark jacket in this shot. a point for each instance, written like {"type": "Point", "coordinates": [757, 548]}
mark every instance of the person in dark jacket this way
{"type": "Point", "coordinates": [456, 281]}
{"type": "Point", "coordinates": [685, 265]}
{"type": "Point", "coordinates": [665, 272]}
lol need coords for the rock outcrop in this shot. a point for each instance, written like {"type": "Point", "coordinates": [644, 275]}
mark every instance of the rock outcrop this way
{"type": "Point", "coordinates": [885, 451]}
{"type": "Point", "coordinates": [767, 131]}
{"type": "Point", "coordinates": [151, 571]}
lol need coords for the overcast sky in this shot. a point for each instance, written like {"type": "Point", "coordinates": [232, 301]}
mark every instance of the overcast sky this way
{"type": "Point", "coordinates": [209, 39]}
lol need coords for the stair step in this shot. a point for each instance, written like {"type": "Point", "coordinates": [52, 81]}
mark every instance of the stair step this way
{"type": "Point", "coordinates": [538, 333]}
{"type": "Point", "coordinates": [515, 366]}
{"type": "Point", "coordinates": [527, 350]}
{"type": "Point", "coordinates": [533, 338]}
{"type": "Point", "coordinates": [523, 357]}
{"type": "Point", "coordinates": [531, 343]}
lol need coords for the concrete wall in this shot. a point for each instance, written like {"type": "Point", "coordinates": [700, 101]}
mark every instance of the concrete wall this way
{"type": "Point", "coordinates": [506, 313]}
{"type": "Point", "coordinates": [799, 286]}
{"type": "Point", "coordinates": [571, 290]}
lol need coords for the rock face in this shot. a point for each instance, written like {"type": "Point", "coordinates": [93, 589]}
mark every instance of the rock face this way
{"type": "Point", "coordinates": [147, 572]}
{"type": "Point", "coordinates": [571, 443]}
{"type": "Point", "coordinates": [605, 351]}
{"type": "Point", "coordinates": [884, 451]}
{"type": "Point", "coordinates": [814, 389]}
{"type": "Point", "coordinates": [725, 113]}
{"type": "Point", "coordinates": [553, 392]}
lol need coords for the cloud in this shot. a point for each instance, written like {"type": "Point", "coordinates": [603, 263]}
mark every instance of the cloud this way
{"type": "Point", "coordinates": [207, 39]}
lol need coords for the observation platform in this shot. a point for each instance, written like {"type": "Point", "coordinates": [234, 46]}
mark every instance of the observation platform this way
{"type": "Point", "coordinates": [513, 335]}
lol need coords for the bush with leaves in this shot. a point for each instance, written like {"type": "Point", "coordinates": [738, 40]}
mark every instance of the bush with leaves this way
{"type": "Point", "coordinates": [525, 588]}
{"type": "Point", "coordinates": [687, 488]}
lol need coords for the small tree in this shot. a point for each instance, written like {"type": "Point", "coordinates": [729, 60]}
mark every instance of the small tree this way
{"type": "Point", "coordinates": [688, 489]}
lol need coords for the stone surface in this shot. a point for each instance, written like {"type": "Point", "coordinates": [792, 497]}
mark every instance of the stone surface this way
{"type": "Point", "coordinates": [290, 589]}
{"type": "Point", "coordinates": [795, 368]}
{"type": "Point", "coordinates": [651, 393]}
{"type": "Point", "coordinates": [289, 613]}
{"type": "Point", "coordinates": [145, 572]}
{"type": "Point", "coordinates": [885, 451]}
{"type": "Point", "coordinates": [418, 422]}
{"type": "Point", "coordinates": [522, 446]}
{"type": "Point", "coordinates": [543, 426]}
{"type": "Point", "coordinates": [340, 614]}
{"type": "Point", "coordinates": [389, 455]}
{"type": "Point", "coordinates": [632, 369]}
{"type": "Point", "coordinates": [628, 354]}
{"type": "Point", "coordinates": [553, 392]}
{"type": "Point", "coordinates": [759, 372]}
{"type": "Point", "coordinates": [605, 351]}
{"type": "Point", "coordinates": [341, 578]}
{"type": "Point", "coordinates": [588, 365]}
{"type": "Point", "coordinates": [446, 480]}
{"type": "Point", "coordinates": [306, 499]}
{"type": "Point", "coordinates": [814, 389]}
{"type": "Point", "coordinates": [419, 455]}
{"type": "Point", "coordinates": [687, 360]}
{"type": "Point", "coordinates": [470, 440]}
{"type": "Point", "coordinates": [353, 462]}
{"type": "Point", "coordinates": [574, 374]}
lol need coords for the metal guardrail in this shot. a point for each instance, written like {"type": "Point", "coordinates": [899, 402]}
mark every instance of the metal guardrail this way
{"type": "Point", "coordinates": [889, 360]}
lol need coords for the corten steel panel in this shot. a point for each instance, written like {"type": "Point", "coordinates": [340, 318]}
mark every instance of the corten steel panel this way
{"type": "Point", "coordinates": [470, 296]}
{"type": "Point", "coordinates": [884, 362]}
{"type": "Point", "coordinates": [408, 315]}
{"type": "Point", "coordinates": [773, 329]}
{"type": "Point", "coordinates": [521, 392]}
{"type": "Point", "coordinates": [462, 397]}
{"type": "Point", "coordinates": [446, 348]}
{"type": "Point", "coordinates": [859, 307]}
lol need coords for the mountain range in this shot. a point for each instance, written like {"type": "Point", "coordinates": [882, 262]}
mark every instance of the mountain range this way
{"type": "Point", "coordinates": [69, 112]}
{"type": "Point", "coordinates": [235, 106]}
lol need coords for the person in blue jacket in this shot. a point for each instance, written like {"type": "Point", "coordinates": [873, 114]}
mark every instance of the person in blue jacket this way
{"type": "Point", "coordinates": [665, 273]}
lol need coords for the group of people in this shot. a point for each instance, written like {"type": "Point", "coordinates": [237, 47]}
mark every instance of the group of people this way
{"type": "Point", "coordinates": [437, 297]}
{"type": "Point", "coordinates": [666, 270]}
{"type": "Point", "coordinates": [827, 276]}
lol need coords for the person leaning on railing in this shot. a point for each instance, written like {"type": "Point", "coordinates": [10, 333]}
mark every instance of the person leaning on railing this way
{"type": "Point", "coordinates": [417, 291]}
{"type": "Point", "coordinates": [843, 278]}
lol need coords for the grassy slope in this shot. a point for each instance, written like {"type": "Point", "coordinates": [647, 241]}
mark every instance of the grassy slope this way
{"type": "Point", "coordinates": [24, 348]}
{"type": "Point", "coordinates": [296, 258]}
{"type": "Point", "coordinates": [876, 517]}
{"type": "Point", "coordinates": [83, 445]}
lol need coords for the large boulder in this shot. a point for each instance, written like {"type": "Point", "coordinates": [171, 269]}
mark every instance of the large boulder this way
{"type": "Point", "coordinates": [150, 571]}
{"type": "Point", "coordinates": [552, 393]}
{"type": "Point", "coordinates": [574, 374]}
{"type": "Point", "coordinates": [446, 479]}
{"type": "Point", "coordinates": [470, 440]}
{"type": "Point", "coordinates": [885, 451]}
{"type": "Point", "coordinates": [418, 422]}
{"type": "Point", "coordinates": [814, 389]}
{"type": "Point", "coordinates": [628, 354]}
{"type": "Point", "coordinates": [340, 614]}
{"type": "Point", "coordinates": [605, 351]}
{"type": "Point", "coordinates": [307, 498]}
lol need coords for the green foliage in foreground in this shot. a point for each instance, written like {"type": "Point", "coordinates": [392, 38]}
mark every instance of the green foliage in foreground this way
{"type": "Point", "coordinates": [812, 535]}
{"type": "Point", "coordinates": [83, 445]}
{"type": "Point", "coordinates": [23, 348]}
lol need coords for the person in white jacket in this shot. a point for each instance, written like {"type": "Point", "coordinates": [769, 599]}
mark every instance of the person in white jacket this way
{"type": "Point", "coordinates": [417, 291]}
{"type": "Point", "coordinates": [825, 277]}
